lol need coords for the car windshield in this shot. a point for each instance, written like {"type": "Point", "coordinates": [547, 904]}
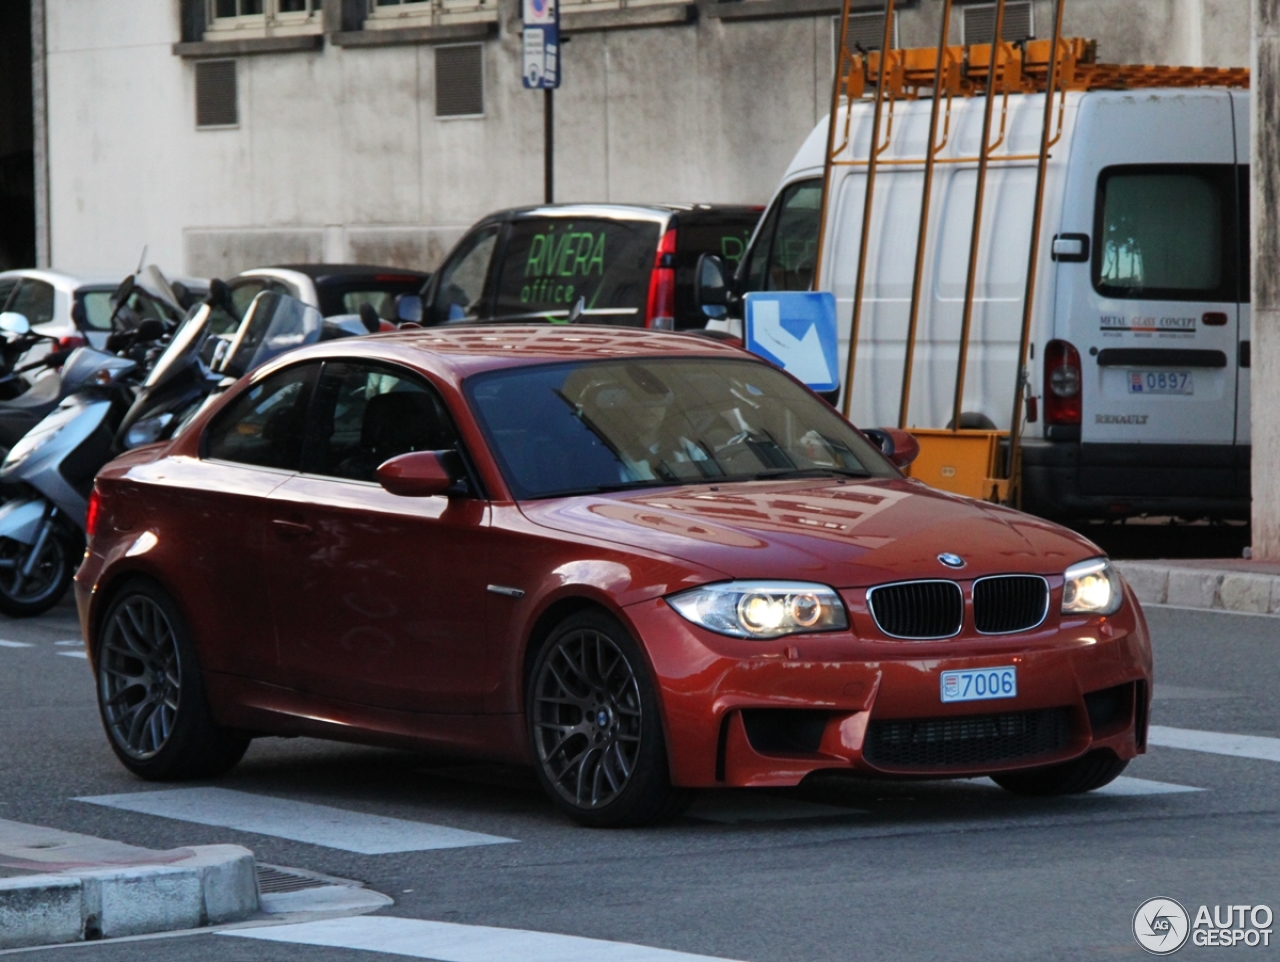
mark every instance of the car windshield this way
{"type": "Point", "coordinates": [608, 425]}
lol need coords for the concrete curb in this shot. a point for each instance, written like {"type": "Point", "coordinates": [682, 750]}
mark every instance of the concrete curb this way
{"type": "Point", "coordinates": [1219, 589]}
{"type": "Point", "coordinates": [215, 884]}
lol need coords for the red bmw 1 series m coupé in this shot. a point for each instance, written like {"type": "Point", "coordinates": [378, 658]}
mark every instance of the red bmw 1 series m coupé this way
{"type": "Point", "coordinates": [643, 563]}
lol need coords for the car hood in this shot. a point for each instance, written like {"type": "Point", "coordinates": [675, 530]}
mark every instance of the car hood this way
{"type": "Point", "coordinates": [845, 534]}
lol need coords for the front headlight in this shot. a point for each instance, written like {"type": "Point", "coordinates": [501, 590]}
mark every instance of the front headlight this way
{"type": "Point", "coordinates": [762, 609]}
{"type": "Point", "coordinates": [1091, 588]}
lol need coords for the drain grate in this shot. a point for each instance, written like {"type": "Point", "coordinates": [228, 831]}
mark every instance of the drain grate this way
{"type": "Point", "coordinates": [272, 880]}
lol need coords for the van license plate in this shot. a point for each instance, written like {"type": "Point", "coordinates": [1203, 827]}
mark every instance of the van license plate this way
{"type": "Point", "coordinates": [1161, 382]}
{"type": "Point", "coordinates": [979, 684]}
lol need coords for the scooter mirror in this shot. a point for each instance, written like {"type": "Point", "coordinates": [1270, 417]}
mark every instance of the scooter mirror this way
{"type": "Point", "coordinates": [152, 329]}
{"type": "Point", "coordinates": [11, 322]}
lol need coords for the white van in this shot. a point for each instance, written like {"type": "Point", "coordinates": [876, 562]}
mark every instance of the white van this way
{"type": "Point", "coordinates": [1140, 337]}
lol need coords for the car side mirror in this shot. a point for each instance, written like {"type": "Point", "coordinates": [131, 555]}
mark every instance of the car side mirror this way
{"type": "Point", "coordinates": [11, 322]}
{"type": "Point", "coordinates": [711, 286]}
{"type": "Point", "coordinates": [418, 474]}
{"type": "Point", "coordinates": [899, 446]}
{"type": "Point", "coordinates": [409, 308]}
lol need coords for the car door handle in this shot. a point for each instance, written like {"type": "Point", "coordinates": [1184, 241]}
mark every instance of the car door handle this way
{"type": "Point", "coordinates": [291, 529]}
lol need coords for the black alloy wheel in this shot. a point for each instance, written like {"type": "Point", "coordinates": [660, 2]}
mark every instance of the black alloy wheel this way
{"type": "Point", "coordinates": [1083, 774]}
{"type": "Point", "coordinates": [593, 722]}
{"type": "Point", "coordinates": [33, 593]}
{"type": "Point", "coordinates": [151, 695]}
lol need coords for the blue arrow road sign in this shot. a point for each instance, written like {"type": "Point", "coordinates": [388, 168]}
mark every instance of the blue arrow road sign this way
{"type": "Point", "coordinates": [796, 330]}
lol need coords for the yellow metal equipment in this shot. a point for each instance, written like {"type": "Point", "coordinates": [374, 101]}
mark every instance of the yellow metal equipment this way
{"type": "Point", "coordinates": [980, 464]}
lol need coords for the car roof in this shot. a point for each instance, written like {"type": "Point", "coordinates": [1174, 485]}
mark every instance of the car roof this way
{"type": "Point", "coordinates": [460, 352]}
{"type": "Point", "coordinates": [660, 212]}
{"type": "Point", "coordinates": [64, 281]}
{"type": "Point", "coordinates": [338, 273]}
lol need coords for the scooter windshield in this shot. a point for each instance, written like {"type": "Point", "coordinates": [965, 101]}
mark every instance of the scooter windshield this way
{"type": "Point", "coordinates": [184, 347]}
{"type": "Point", "coordinates": [273, 324]}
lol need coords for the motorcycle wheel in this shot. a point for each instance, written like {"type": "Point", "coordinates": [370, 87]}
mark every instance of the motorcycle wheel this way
{"type": "Point", "coordinates": [24, 597]}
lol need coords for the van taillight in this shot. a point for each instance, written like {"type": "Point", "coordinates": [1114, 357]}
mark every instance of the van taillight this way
{"type": "Point", "coordinates": [1061, 383]}
{"type": "Point", "coordinates": [91, 517]}
{"type": "Point", "coordinates": [661, 309]}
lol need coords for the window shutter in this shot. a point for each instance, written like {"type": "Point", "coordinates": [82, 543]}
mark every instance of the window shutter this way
{"type": "Point", "coordinates": [979, 22]}
{"type": "Point", "coordinates": [216, 101]}
{"type": "Point", "coordinates": [866, 30]}
{"type": "Point", "coordinates": [460, 80]}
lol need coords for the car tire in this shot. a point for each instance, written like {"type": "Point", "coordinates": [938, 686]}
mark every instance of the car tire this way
{"type": "Point", "coordinates": [27, 597]}
{"type": "Point", "coordinates": [1075, 777]}
{"type": "Point", "coordinates": [594, 727]}
{"type": "Point", "coordinates": [151, 694]}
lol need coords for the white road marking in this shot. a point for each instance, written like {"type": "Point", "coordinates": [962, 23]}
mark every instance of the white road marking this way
{"type": "Point", "coordinates": [73, 654]}
{"type": "Point", "coordinates": [1216, 743]}
{"type": "Point", "coordinates": [299, 821]}
{"type": "Point", "coordinates": [451, 942]}
{"type": "Point", "coordinates": [730, 807]}
{"type": "Point", "coordinates": [1125, 785]}
{"type": "Point", "coordinates": [15, 644]}
{"type": "Point", "coordinates": [70, 641]}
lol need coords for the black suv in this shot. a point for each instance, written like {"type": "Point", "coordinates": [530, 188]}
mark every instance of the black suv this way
{"type": "Point", "coordinates": [606, 263]}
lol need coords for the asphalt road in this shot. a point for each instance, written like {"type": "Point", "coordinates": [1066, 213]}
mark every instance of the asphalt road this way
{"type": "Point", "coordinates": [949, 870]}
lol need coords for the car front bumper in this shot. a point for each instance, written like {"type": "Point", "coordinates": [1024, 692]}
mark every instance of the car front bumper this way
{"type": "Point", "coordinates": [751, 713]}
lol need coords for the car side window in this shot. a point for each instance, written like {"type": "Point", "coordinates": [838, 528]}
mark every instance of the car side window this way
{"type": "Point", "coordinates": [34, 300]}
{"type": "Point", "coordinates": [365, 414]}
{"type": "Point", "coordinates": [7, 284]}
{"type": "Point", "coordinates": [786, 247]}
{"type": "Point", "coordinates": [461, 285]}
{"type": "Point", "coordinates": [264, 425]}
{"type": "Point", "coordinates": [243, 292]}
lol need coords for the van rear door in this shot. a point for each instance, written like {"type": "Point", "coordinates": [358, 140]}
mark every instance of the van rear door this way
{"type": "Point", "coordinates": [1244, 436]}
{"type": "Point", "coordinates": [1153, 308]}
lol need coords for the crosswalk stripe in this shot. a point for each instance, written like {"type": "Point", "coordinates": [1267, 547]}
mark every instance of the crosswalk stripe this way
{"type": "Point", "coordinates": [451, 942]}
{"type": "Point", "coordinates": [298, 821]}
{"type": "Point", "coordinates": [1124, 785]}
{"type": "Point", "coordinates": [15, 644]}
{"type": "Point", "coordinates": [1217, 743]}
{"type": "Point", "coordinates": [74, 654]}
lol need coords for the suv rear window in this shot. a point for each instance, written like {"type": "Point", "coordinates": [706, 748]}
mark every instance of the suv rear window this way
{"type": "Point", "coordinates": [1166, 233]}
{"type": "Point", "coordinates": [551, 262]}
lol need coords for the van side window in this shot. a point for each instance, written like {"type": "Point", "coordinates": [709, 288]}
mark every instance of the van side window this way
{"type": "Point", "coordinates": [782, 258]}
{"type": "Point", "coordinates": [1166, 233]}
{"type": "Point", "coordinates": [460, 289]}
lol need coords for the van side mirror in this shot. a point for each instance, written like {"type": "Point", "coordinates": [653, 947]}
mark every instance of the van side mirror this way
{"type": "Point", "coordinates": [900, 447]}
{"type": "Point", "coordinates": [711, 286]}
{"type": "Point", "coordinates": [11, 322]}
{"type": "Point", "coordinates": [418, 474]}
{"type": "Point", "coordinates": [409, 308]}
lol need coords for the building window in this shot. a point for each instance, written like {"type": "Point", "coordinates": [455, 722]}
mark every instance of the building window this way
{"type": "Point", "coordinates": [392, 13]}
{"type": "Point", "coordinates": [978, 23]}
{"type": "Point", "coordinates": [216, 96]}
{"type": "Point", "coordinates": [225, 14]}
{"type": "Point", "coordinates": [460, 80]}
{"type": "Point", "coordinates": [866, 30]}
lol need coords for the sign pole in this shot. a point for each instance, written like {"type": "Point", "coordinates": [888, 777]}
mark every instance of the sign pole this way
{"type": "Point", "coordinates": [549, 145]}
{"type": "Point", "coordinates": [541, 48]}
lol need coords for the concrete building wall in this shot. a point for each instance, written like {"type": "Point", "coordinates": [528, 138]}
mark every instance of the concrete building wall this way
{"type": "Point", "coordinates": [1265, 396]}
{"type": "Point", "coordinates": [338, 154]}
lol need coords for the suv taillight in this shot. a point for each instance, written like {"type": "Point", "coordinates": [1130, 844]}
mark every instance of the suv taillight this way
{"type": "Point", "coordinates": [91, 517]}
{"type": "Point", "coordinates": [1061, 383]}
{"type": "Point", "coordinates": [661, 309]}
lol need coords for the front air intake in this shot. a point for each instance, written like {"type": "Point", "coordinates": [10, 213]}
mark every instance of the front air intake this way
{"type": "Point", "coordinates": [918, 610]}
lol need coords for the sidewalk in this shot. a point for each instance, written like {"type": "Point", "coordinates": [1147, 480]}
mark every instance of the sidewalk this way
{"type": "Point", "coordinates": [58, 887]}
{"type": "Point", "coordinates": [1223, 584]}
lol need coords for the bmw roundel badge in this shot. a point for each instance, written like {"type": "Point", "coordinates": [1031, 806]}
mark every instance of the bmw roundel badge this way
{"type": "Point", "coordinates": [951, 560]}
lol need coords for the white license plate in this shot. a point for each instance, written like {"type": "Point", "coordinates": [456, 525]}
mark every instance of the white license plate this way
{"type": "Point", "coordinates": [1161, 382]}
{"type": "Point", "coordinates": [979, 684]}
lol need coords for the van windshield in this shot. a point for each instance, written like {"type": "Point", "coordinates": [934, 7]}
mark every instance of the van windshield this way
{"type": "Point", "coordinates": [1166, 233]}
{"type": "Point", "coordinates": [552, 262]}
{"type": "Point", "coordinates": [612, 425]}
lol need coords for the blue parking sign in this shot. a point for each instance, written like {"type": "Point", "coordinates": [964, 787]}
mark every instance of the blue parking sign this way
{"type": "Point", "coordinates": [796, 330]}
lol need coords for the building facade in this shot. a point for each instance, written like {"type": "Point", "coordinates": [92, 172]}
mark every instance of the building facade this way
{"type": "Point", "coordinates": [224, 134]}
